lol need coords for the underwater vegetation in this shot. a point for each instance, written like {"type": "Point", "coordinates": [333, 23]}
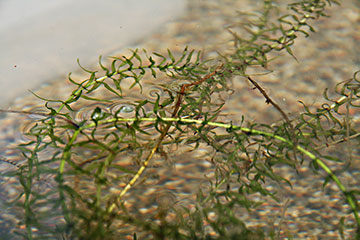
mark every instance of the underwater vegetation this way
{"type": "Point", "coordinates": [94, 162]}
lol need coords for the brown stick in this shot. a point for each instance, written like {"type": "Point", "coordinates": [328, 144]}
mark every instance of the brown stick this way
{"type": "Point", "coordinates": [277, 107]}
{"type": "Point", "coordinates": [141, 170]}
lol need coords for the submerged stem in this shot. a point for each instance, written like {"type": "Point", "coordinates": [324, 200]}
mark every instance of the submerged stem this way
{"type": "Point", "coordinates": [348, 195]}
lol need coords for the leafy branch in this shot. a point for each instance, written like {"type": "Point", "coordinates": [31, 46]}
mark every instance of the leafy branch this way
{"type": "Point", "coordinates": [116, 142]}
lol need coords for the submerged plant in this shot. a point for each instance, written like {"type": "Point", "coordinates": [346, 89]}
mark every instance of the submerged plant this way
{"type": "Point", "coordinates": [96, 161]}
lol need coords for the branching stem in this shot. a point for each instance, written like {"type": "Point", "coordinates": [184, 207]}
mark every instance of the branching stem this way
{"type": "Point", "coordinates": [164, 132]}
{"type": "Point", "coordinates": [348, 195]}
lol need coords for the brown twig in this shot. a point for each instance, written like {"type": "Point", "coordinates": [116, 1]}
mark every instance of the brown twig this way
{"type": "Point", "coordinates": [17, 165]}
{"type": "Point", "coordinates": [277, 107]}
{"type": "Point", "coordinates": [164, 132]}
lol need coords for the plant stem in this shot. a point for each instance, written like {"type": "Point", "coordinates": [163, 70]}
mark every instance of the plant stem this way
{"type": "Point", "coordinates": [348, 195]}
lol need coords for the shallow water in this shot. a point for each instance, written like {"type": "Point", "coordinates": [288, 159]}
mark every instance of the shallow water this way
{"type": "Point", "coordinates": [323, 63]}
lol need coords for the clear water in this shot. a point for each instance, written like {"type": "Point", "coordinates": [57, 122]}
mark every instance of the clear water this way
{"type": "Point", "coordinates": [291, 82]}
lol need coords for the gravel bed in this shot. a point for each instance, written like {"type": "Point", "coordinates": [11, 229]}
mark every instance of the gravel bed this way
{"type": "Point", "coordinates": [306, 211]}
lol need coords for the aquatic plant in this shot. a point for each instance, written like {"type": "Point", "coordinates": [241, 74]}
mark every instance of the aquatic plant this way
{"type": "Point", "coordinates": [96, 161]}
